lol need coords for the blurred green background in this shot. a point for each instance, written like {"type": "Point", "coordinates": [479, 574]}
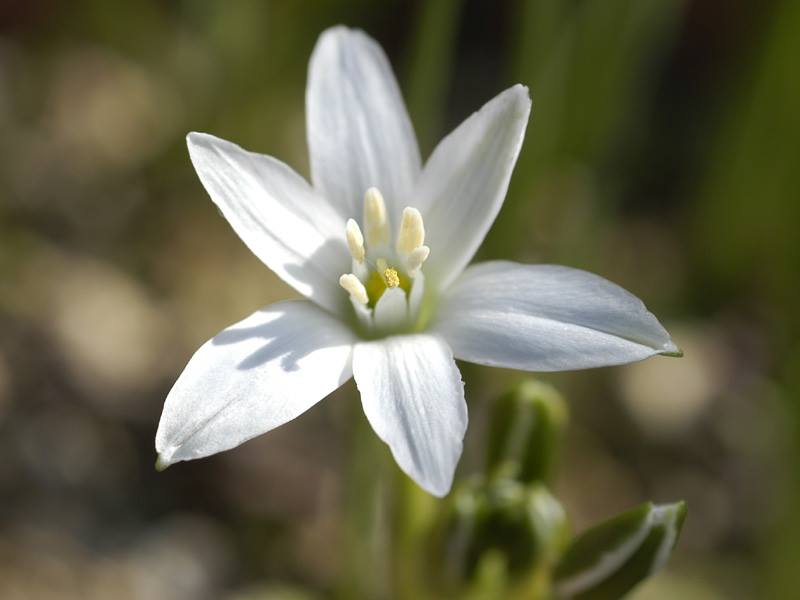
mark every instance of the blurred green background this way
{"type": "Point", "coordinates": [662, 154]}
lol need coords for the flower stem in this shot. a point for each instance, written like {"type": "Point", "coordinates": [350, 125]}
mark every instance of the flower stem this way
{"type": "Point", "coordinates": [413, 512]}
{"type": "Point", "coordinates": [363, 573]}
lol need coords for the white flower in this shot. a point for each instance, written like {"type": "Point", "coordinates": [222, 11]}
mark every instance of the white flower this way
{"type": "Point", "coordinates": [379, 246]}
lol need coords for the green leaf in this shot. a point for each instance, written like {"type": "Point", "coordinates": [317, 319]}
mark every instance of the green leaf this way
{"type": "Point", "coordinates": [525, 433]}
{"type": "Point", "coordinates": [610, 559]}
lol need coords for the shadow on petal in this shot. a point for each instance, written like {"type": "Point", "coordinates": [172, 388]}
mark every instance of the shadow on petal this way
{"type": "Point", "coordinates": [284, 337]}
{"type": "Point", "coordinates": [325, 257]}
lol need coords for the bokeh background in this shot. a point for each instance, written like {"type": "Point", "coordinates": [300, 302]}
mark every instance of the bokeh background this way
{"type": "Point", "coordinates": [662, 154]}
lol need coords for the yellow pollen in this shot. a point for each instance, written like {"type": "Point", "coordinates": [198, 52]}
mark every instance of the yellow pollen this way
{"type": "Point", "coordinates": [383, 278]}
{"type": "Point", "coordinates": [391, 278]}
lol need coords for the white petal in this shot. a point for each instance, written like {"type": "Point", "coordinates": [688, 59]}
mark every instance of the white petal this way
{"type": "Point", "coordinates": [277, 214]}
{"type": "Point", "coordinates": [359, 133]}
{"type": "Point", "coordinates": [417, 294]}
{"type": "Point", "coordinates": [252, 377]}
{"type": "Point", "coordinates": [391, 310]}
{"type": "Point", "coordinates": [414, 399]}
{"type": "Point", "coordinates": [465, 180]}
{"type": "Point", "coordinates": [546, 318]}
{"type": "Point", "coordinates": [363, 314]}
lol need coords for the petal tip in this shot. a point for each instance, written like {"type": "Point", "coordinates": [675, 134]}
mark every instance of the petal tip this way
{"type": "Point", "coordinates": [334, 30]}
{"type": "Point", "coordinates": [341, 33]}
{"type": "Point", "coordinates": [162, 463]}
{"type": "Point", "coordinates": [436, 490]}
{"type": "Point", "coordinates": [440, 493]}
{"type": "Point", "coordinates": [197, 138]}
{"type": "Point", "coordinates": [671, 350]}
{"type": "Point", "coordinates": [517, 99]}
{"type": "Point", "coordinates": [521, 93]}
{"type": "Point", "coordinates": [193, 136]}
{"type": "Point", "coordinates": [521, 88]}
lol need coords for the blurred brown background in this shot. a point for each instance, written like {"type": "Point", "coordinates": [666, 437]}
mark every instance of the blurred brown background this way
{"type": "Point", "coordinates": [662, 154]}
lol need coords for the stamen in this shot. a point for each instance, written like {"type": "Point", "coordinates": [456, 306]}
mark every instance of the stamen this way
{"type": "Point", "coordinates": [371, 278]}
{"type": "Point", "coordinates": [355, 240]}
{"type": "Point", "coordinates": [412, 231]}
{"type": "Point", "coordinates": [417, 257]}
{"type": "Point", "coordinates": [353, 285]}
{"type": "Point", "coordinates": [391, 278]}
{"type": "Point", "coordinates": [375, 220]}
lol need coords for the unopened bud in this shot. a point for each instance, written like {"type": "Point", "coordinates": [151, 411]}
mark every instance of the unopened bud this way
{"type": "Point", "coordinates": [526, 430]}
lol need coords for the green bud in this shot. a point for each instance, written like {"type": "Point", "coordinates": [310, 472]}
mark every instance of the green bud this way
{"type": "Point", "coordinates": [524, 524]}
{"type": "Point", "coordinates": [525, 433]}
{"type": "Point", "coordinates": [610, 559]}
{"type": "Point", "coordinates": [550, 523]}
{"type": "Point", "coordinates": [466, 512]}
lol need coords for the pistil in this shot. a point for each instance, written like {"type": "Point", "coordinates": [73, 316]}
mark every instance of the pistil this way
{"type": "Point", "coordinates": [391, 278]}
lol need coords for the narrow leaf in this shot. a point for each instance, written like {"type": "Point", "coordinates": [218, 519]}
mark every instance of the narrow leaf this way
{"type": "Point", "coordinates": [610, 559]}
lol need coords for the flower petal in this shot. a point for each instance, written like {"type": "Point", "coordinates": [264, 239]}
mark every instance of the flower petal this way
{"type": "Point", "coordinates": [277, 214]}
{"type": "Point", "coordinates": [413, 397]}
{"type": "Point", "coordinates": [417, 295]}
{"type": "Point", "coordinates": [359, 133]}
{"type": "Point", "coordinates": [391, 310]}
{"type": "Point", "coordinates": [465, 180]}
{"type": "Point", "coordinates": [252, 377]}
{"type": "Point", "coordinates": [546, 318]}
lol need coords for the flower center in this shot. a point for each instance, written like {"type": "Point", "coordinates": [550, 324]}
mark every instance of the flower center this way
{"type": "Point", "coordinates": [386, 284]}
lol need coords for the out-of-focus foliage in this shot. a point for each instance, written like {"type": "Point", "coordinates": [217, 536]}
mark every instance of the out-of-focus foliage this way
{"type": "Point", "coordinates": [662, 154]}
{"type": "Point", "coordinates": [609, 560]}
{"type": "Point", "coordinates": [526, 431]}
{"type": "Point", "coordinates": [503, 534]}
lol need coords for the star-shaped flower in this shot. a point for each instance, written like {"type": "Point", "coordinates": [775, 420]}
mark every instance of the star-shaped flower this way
{"type": "Point", "coordinates": [379, 246]}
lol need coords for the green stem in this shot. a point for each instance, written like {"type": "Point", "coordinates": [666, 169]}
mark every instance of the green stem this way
{"type": "Point", "coordinates": [364, 570]}
{"type": "Point", "coordinates": [413, 512]}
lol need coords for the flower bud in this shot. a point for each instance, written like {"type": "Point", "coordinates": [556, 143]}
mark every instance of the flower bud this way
{"type": "Point", "coordinates": [524, 525]}
{"type": "Point", "coordinates": [525, 433]}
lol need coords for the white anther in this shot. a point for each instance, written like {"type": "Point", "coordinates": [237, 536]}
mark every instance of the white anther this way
{"type": "Point", "coordinates": [353, 285]}
{"type": "Point", "coordinates": [376, 222]}
{"type": "Point", "coordinates": [355, 240]}
{"type": "Point", "coordinates": [417, 257]}
{"type": "Point", "coordinates": [412, 232]}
